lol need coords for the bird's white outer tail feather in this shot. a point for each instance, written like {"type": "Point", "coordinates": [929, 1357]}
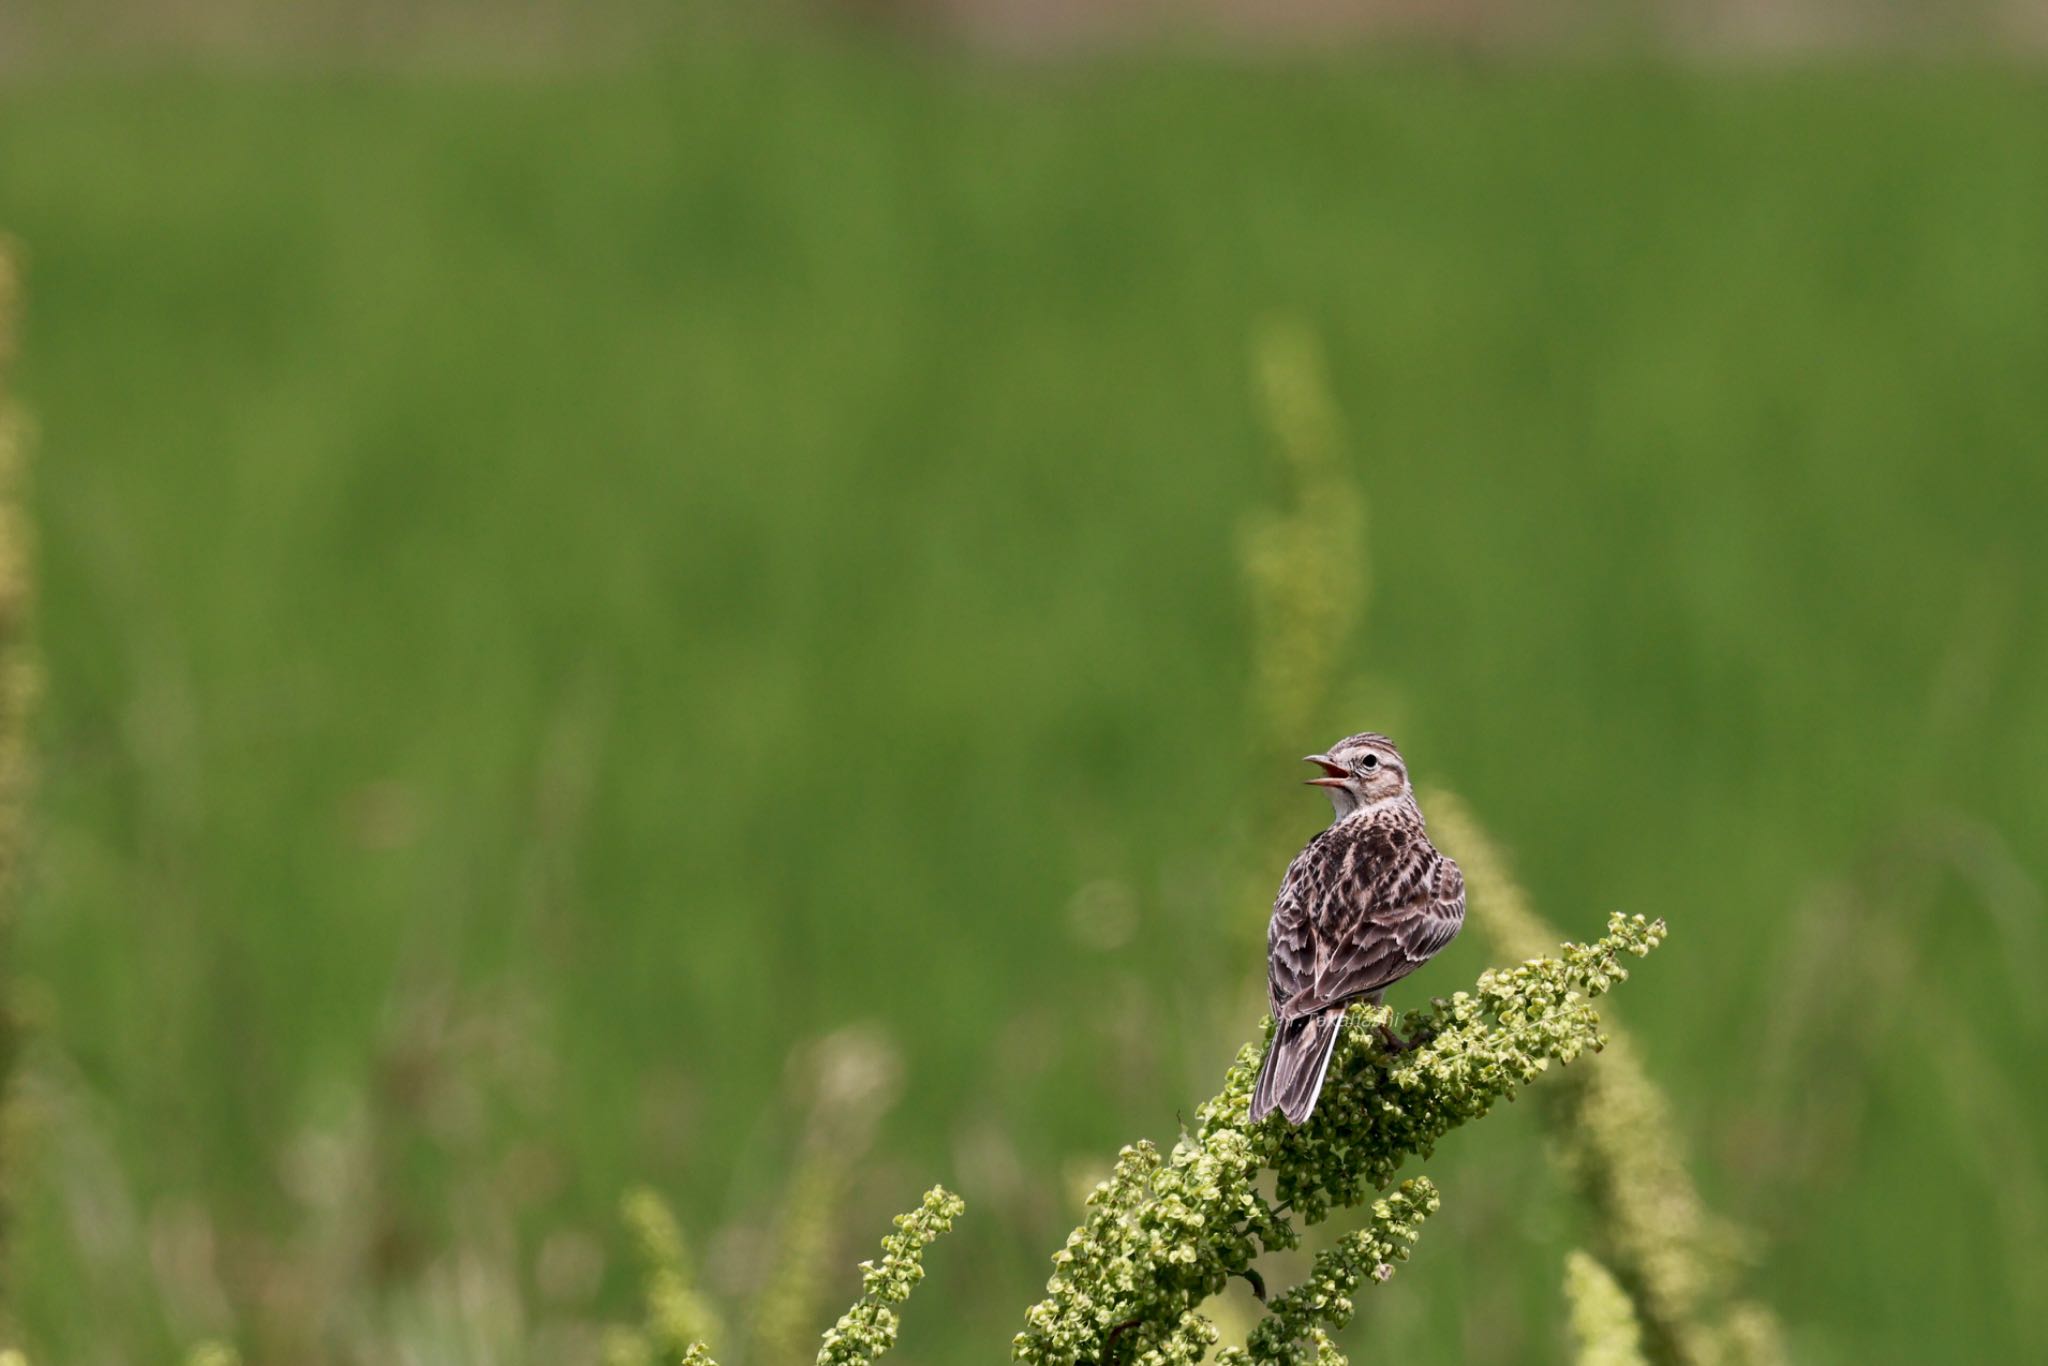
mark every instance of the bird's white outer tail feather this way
{"type": "Point", "coordinates": [1296, 1062]}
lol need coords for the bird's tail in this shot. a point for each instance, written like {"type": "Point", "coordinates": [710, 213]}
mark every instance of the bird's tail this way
{"type": "Point", "coordinates": [1296, 1060]}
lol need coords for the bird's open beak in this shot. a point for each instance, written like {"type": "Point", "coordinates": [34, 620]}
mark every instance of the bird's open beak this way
{"type": "Point", "coordinates": [1334, 775]}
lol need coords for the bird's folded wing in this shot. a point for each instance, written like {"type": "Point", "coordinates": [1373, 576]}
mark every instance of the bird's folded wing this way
{"type": "Point", "coordinates": [1366, 944]}
{"type": "Point", "coordinates": [1291, 953]}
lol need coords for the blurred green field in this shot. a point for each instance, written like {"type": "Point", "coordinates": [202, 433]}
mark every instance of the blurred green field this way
{"type": "Point", "coordinates": [558, 593]}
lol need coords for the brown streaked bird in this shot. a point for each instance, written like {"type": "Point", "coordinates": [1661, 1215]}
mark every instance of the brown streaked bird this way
{"type": "Point", "coordinates": [1366, 903]}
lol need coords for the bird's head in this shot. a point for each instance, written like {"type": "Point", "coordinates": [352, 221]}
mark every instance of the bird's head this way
{"type": "Point", "coordinates": [1361, 771]}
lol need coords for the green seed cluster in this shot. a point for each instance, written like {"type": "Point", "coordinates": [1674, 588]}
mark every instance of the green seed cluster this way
{"type": "Point", "coordinates": [868, 1330]}
{"type": "Point", "coordinates": [1165, 1232]}
{"type": "Point", "coordinates": [1162, 1236]}
{"type": "Point", "coordinates": [1298, 1323]}
{"type": "Point", "coordinates": [678, 1320]}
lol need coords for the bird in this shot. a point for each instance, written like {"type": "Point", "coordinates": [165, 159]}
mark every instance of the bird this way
{"type": "Point", "coordinates": [1365, 903]}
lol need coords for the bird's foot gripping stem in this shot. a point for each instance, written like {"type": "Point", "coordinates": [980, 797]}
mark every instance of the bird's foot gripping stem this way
{"type": "Point", "coordinates": [1396, 1045]}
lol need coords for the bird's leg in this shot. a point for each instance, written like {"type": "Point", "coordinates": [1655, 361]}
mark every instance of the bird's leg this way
{"type": "Point", "coordinates": [1109, 1343]}
{"type": "Point", "coordinates": [1394, 1043]}
{"type": "Point", "coordinates": [1389, 1040]}
{"type": "Point", "coordinates": [1397, 1045]}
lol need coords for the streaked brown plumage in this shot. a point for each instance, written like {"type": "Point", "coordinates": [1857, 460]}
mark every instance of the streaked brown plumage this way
{"type": "Point", "coordinates": [1366, 903]}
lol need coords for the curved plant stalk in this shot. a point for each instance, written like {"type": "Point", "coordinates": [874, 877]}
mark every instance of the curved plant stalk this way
{"type": "Point", "coordinates": [1603, 1320]}
{"type": "Point", "coordinates": [1616, 1142]}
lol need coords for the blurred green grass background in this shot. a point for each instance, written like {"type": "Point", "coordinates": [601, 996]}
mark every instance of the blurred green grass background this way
{"type": "Point", "coordinates": [560, 592]}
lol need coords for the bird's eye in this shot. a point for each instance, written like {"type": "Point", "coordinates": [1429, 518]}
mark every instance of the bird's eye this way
{"type": "Point", "coordinates": [1372, 761]}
